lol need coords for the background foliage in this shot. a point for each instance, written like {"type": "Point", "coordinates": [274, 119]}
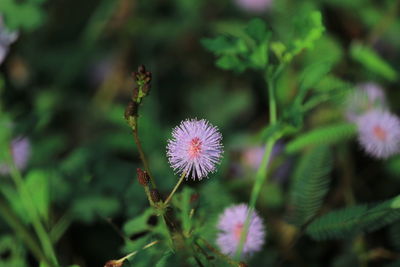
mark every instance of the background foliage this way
{"type": "Point", "coordinates": [67, 79]}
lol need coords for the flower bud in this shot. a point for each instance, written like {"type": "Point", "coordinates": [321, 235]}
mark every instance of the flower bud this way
{"type": "Point", "coordinates": [143, 177]}
{"type": "Point", "coordinates": [141, 69]}
{"type": "Point", "coordinates": [113, 263]}
{"type": "Point", "coordinates": [131, 110]}
{"type": "Point", "coordinates": [155, 195]}
{"type": "Point", "coordinates": [146, 88]}
{"type": "Point", "coordinates": [194, 197]}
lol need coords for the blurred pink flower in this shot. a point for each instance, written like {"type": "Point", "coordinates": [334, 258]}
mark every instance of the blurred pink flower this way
{"type": "Point", "coordinates": [367, 96]}
{"type": "Point", "coordinates": [231, 224]}
{"type": "Point", "coordinates": [255, 6]}
{"type": "Point", "coordinates": [21, 151]}
{"type": "Point", "coordinates": [7, 37]}
{"type": "Point", "coordinates": [379, 133]}
{"type": "Point", "coordinates": [252, 156]}
{"type": "Point", "coordinates": [195, 148]}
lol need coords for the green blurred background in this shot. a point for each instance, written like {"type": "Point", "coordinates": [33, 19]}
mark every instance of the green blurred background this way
{"type": "Point", "coordinates": [66, 80]}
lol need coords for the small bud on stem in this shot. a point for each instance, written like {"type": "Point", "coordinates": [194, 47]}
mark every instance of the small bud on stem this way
{"type": "Point", "coordinates": [143, 177]}
{"type": "Point", "coordinates": [131, 110]}
{"type": "Point", "coordinates": [155, 195]}
{"type": "Point", "coordinates": [114, 263]}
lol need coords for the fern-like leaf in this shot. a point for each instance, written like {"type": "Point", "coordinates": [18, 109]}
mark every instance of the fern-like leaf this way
{"type": "Point", "coordinates": [310, 184]}
{"type": "Point", "coordinates": [326, 135]}
{"type": "Point", "coordinates": [347, 222]}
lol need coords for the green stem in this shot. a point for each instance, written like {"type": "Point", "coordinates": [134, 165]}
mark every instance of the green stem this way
{"type": "Point", "coordinates": [32, 212]}
{"type": "Point", "coordinates": [175, 188]}
{"type": "Point", "coordinates": [147, 191]}
{"type": "Point", "coordinates": [24, 233]}
{"type": "Point", "coordinates": [261, 175]}
{"type": "Point", "coordinates": [272, 102]}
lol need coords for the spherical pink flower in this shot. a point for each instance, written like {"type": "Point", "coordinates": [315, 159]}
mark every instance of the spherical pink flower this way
{"type": "Point", "coordinates": [231, 224]}
{"type": "Point", "coordinates": [367, 96]}
{"type": "Point", "coordinates": [255, 6]}
{"type": "Point", "coordinates": [20, 151]}
{"type": "Point", "coordinates": [379, 133]}
{"type": "Point", "coordinates": [195, 148]}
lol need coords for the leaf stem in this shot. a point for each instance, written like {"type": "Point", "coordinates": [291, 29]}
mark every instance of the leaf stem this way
{"type": "Point", "coordinates": [175, 188]}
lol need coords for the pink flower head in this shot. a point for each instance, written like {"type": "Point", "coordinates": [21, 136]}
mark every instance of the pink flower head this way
{"type": "Point", "coordinates": [379, 133]}
{"type": "Point", "coordinates": [20, 151]}
{"type": "Point", "coordinates": [367, 96]}
{"type": "Point", "coordinates": [231, 224]}
{"type": "Point", "coordinates": [255, 6]}
{"type": "Point", "coordinates": [195, 148]}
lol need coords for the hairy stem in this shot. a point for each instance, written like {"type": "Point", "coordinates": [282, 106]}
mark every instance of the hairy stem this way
{"type": "Point", "coordinates": [219, 253]}
{"type": "Point", "coordinates": [141, 152]}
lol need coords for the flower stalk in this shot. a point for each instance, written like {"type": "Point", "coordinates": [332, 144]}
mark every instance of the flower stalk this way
{"type": "Point", "coordinates": [175, 188]}
{"type": "Point", "coordinates": [261, 175]}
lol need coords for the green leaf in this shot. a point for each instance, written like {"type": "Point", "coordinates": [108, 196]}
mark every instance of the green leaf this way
{"type": "Point", "coordinates": [257, 30]}
{"type": "Point", "coordinates": [37, 182]}
{"type": "Point", "coordinates": [87, 208]}
{"type": "Point", "coordinates": [328, 135]}
{"type": "Point", "coordinates": [347, 222]}
{"type": "Point", "coordinates": [182, 201]}
{"type": "Point", "coordinates": [259, 56]}
{"type": "Point", "coordinates": [310, 184]}
{"type": "Point", "coordinates": [230, 62]}
{"type": "Point", "coordinates": [11, 246]}
{"type": "Point", "coordinates": [372, 61]}
{"type": "Point", "coordinates": [309, 29]}
{"type": "Point", "coordinates": [313, 74]}
{"type": "Point", "coordinates": [15, 202]}
{"type": "Point", "coordinates": [163, 262]}
{"type": "Point", "coordinates": [21, 15]}
{"type": "Point", "coordinates": [243, 48]}
{"type": "Point", "coordinates": [139, 223]}
{"type": "Point", "coordinates": [330, 83]}
{"type": "Point", "coordinates": [222, 45]}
